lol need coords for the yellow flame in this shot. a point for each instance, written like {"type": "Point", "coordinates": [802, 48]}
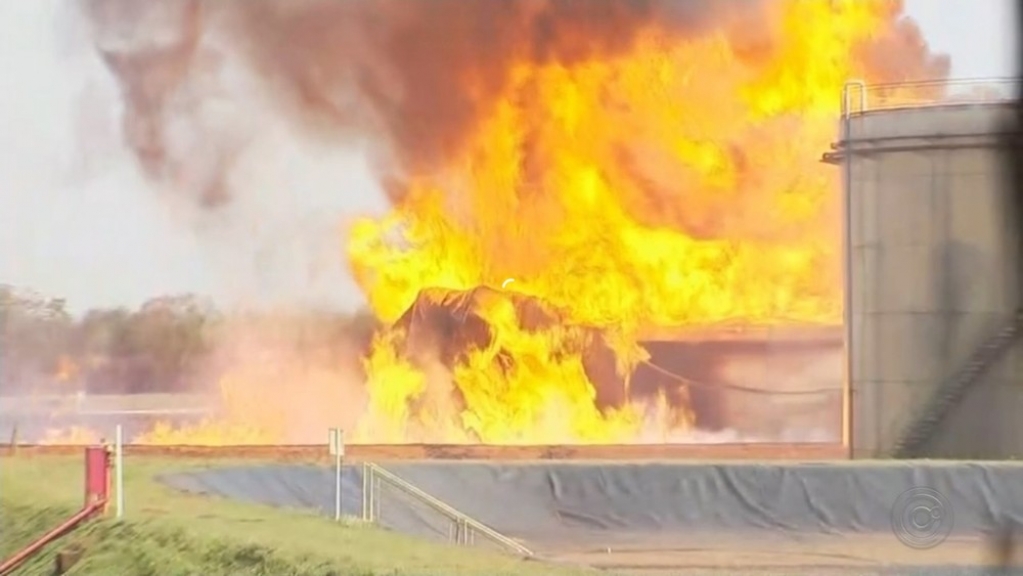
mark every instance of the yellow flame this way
{"type": "Point", "coordinates": [675, 184]}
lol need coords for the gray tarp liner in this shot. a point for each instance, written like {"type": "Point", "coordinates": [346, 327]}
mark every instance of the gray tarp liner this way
{"type": "Point", "coordinates": [558, 505]}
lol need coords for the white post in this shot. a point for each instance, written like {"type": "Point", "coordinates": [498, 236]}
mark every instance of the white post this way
{"type": "Point", "coordinates": [119, 468]}
{"type": "Point", "coordinates": [337, 449]}
{"type": "Point", "coordinates": [337, 487]}
{"type": "Point", "coordinates": [365, 492]}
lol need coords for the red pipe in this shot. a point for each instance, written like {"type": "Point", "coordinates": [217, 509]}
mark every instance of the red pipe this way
{"type": "Point", "coordinates": [97, 494]}
{"type": "Point", "coordinates": [68, 525]}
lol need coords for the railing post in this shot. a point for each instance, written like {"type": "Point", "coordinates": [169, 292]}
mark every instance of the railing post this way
{"type": "Point", "coordinates": [119, 468]}
{"type": "Point", "coordinates": [365, 493]}
{"type": "Point", "coordinates": [847, 97]}
{"type": "Point", "coordinates": [368, 496]}
{"type": "Point", "coordinates": [462, 528]}
{"type": "Point", "coordinates": [847, 257]}
{"type": "Point", "coordinates": [374, 493]}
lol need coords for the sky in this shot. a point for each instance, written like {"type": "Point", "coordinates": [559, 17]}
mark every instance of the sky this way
{"type": "Point", "coordinates": [78, 221]}
{"type": "Point", "coordinates": [978, 34]}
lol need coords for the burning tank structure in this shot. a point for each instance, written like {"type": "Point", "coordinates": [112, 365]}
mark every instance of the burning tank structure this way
{"type": "Point", "coordinates": [741, 383]}
{"type": "Point", "coordinates": [933, 317]}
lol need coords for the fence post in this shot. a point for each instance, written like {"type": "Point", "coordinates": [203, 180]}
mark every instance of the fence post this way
{"type": "Point", "coordinates": [337, 450]}
{"type": "Point", "coordinates": [119, 468]}
{"type": "Point", "coordinates": [365, 493]}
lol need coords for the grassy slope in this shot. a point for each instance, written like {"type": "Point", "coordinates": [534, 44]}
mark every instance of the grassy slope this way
{"type": "Point", "coordinates": [169, 534]}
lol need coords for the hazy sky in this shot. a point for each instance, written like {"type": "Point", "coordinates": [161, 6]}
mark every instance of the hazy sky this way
{"type": "Point", "coordinates": [979, 34]}
{"type": "Point", "coordinates": [78, 221]}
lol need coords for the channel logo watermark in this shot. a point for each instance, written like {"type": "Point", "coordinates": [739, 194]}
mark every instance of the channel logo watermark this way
{"type": "Point", "coordinates": [922, 518]}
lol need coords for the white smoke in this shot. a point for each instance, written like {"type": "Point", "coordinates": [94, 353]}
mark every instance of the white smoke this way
{"type": "Point", "coordinates": [79, 220]}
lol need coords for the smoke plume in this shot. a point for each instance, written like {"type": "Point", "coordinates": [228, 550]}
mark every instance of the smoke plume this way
{"type": "Point", "coordinates": [391, 72]}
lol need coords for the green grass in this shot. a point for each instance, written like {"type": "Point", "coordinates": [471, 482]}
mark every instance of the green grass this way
{"type": "Point", "coordinates": [168, 533]}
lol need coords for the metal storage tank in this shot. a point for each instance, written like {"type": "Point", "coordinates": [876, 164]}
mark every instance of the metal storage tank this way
{"type": "Point", "coordinates": [755, 383]}
{"type": "Point", "coordinates": [932, 270]}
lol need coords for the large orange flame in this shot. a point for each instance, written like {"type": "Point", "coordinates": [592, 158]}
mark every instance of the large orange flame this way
{"type": "Point", "coordinates": [674, 184]}
{"type": "Point", "coordinates": [628, 175]}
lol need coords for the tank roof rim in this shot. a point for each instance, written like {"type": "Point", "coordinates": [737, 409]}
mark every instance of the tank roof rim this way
{"type": "Point", "coordinates": [936, 106]}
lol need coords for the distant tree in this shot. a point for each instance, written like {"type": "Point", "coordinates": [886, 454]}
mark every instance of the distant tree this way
{"type": "Point", "coordinates": [34, 337]}
{"type": "Point", "coordinates": [169, 337]}
{"type": "Point", "coordinates": [164, 345]}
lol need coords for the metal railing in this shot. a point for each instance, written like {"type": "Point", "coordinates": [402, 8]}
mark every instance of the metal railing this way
{"type": "Point", "coordinates": [926, 424]}
{"type": "Point", "coordinates": [462, 529]}
{"type": "Point", "coordinates": [858, 96]}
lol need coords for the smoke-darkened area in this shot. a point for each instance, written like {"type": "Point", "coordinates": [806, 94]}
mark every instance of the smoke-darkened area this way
{"type": "Point", "coordinates": [413, 78]}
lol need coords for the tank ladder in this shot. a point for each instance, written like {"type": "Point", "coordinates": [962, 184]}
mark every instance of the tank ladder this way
{"type": "Point", "coordinates": [929, 420]}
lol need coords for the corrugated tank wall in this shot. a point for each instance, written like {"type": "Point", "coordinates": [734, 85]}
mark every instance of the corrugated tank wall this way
{"type": "Point", "coordinates": [933, 273]}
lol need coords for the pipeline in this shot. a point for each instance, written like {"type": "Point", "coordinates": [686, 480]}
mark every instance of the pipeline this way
{"type": "Point", "coordinates": [97, 495]}
{"type": "Point", "coordinates": [67, 526]}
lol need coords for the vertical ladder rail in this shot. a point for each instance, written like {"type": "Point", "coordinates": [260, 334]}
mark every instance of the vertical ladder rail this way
{"type": "Point", "coordinates": [848, 90]}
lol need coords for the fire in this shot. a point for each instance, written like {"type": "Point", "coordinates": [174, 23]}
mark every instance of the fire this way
{"type": "Point", "coordinates": [248, 420]}
{"type": "Point", "coordinates": [666, 178]}
{"type": "Point", "coordinates": [674, 184]}
{"type": "Point", "coordinates": [67, 370]}
{"type": "Point", "coordinates": [71, 436]}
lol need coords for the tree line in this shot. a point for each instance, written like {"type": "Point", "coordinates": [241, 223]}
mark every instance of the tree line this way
{"type": "Point", "coordinates": [165, 345]}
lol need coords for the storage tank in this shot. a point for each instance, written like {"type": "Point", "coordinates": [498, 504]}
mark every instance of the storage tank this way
{"type": "Point", "coordinates": [743, 383]}
{"type": "Point", "coordinates": [932, 269]}
{"type": "Point", "coordinates": [753, 384]}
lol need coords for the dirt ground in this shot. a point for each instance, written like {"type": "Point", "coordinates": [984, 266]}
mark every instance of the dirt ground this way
{"type": "Point", "coordinates": [392, 452]}
{"type": "Point", "coordinates": [859, 554]}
